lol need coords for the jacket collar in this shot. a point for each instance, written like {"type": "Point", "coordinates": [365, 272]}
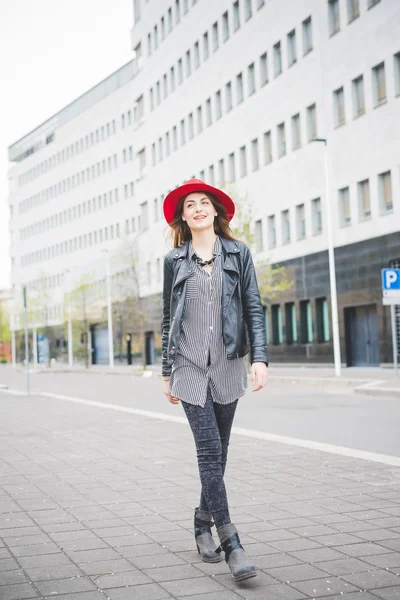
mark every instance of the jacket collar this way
{"type": "Point", "coordinates": [228, 247]}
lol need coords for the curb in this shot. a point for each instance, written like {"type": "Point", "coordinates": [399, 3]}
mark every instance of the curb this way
{"type": "Point", "coordinates": [372, 389]}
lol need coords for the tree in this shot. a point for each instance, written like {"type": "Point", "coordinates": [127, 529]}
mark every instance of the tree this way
{"type": "Point", "coordinates": [272, 279]}
{"type": "Point", "coordinates": [82, 302]}
{"type": "Point", "coordinates": [127, 288]}
{"type": "Point", "coordinates": [5, 333]}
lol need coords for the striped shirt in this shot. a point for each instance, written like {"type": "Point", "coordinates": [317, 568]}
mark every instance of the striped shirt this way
{"type": "Point", "coordinates": [201, 359]}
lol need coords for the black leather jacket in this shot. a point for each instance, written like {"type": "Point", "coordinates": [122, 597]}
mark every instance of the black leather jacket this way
{"type": "Point", "coordinates": [243, 326]}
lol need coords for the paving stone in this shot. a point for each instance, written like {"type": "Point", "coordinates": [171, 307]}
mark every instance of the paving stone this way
{"type": "Point", "coordinates": [172, 573]}
{"type": "Point", "coordinates": [385, 561]}
{"type": "Point", "coordinates": [271, 561]}
{"type": "Point", "coordinates": [43, 561]}
{"type": "Point", "coordinates": [93, 595]}
{"type": "Point", "coordinates": [65, 586]}
{"type": "Point", "coordinates": [124, 579]}
{"type": "Point", "coordinates": [376, 535]}
{"type": "Point", "coordinates": [391, 544]}
{"type": "Point", "coordinates": [156, 560]}
{"type": "Point", "coordinates": [274, 592]}
{"type": "Point", "coordinates": [324, 587]}
{"type": "Point", "coordinates": [79, 556]}
{"type": "Point", "coordinates": [36, 550]}
{"type": "Point", "coordinates": [295, 573]}
{"type": "Point", "coordinates": [53, 572]}
{"type": "Point", "coordinates": [142, 550]}
{"type": "Point", "coordinates": [151, 591]}
{"type": "Point", "coordinates": [373, 579]}
{"type": "Point", "coordinates": [292, 545]}
{"type": "Point", "coordinates": [106, 566]}
{"type": "Point", "coordinates": [189, 587]}
{"type": "Point", "coordinates": [362, 549]}
{"type": "Point", "coordinates": [11, 577]}
{"type": "Point", "coordinates": [8, 564]}
{"type": "Point", "coordinates": [261, 582]}
{"type": "Point", "coordinates": [389, 593]}
{"type": "Point", "coordinates": [352, 596]}
{"type": "Point", "coordinates": [19, 591]}
{"type": "Point", "coordinates": [343, 566]}
{"type": "Point", "coordinates": [226, 595]}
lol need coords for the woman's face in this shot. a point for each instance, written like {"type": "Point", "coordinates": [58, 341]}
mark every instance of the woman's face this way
{"type": "Point", "coordinates": [198, 212]}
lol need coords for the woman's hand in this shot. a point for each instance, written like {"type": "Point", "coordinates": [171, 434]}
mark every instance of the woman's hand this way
{"type": "Point", "coordinates": [167, 393]}
{"type": "Point", "coordinates": [258, 375]}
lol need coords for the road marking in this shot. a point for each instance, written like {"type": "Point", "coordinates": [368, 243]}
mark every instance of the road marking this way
{"type": "Point", "coordinates": [251, 433]}
{"type": "Point", "coordinates": [13, 392]}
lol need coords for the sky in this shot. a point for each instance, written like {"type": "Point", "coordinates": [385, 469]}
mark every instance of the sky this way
{"type": "Point", "coordinates": [51, 51]}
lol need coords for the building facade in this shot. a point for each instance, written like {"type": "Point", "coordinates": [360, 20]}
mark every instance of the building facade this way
{"type": "Point", "coordinates": [229, 91]}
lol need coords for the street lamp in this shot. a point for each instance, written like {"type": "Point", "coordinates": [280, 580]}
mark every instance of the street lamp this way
{"type": "Point", "coordinates": [109, 312]}
{"type": "Point", "coordinates": [332, 270]}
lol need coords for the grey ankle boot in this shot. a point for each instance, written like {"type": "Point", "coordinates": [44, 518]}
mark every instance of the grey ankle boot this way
{"type": "Point", "coordinates": [202, 532]}
{"type": "Point", "coordinates": [240, 566]}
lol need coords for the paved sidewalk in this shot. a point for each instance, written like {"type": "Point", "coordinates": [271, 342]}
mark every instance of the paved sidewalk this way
{"type": "Point", "coordinates": [97, 503]}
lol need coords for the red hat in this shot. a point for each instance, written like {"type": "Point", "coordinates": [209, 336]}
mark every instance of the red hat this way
{"type": "Point", "coordinates": [172, 200]}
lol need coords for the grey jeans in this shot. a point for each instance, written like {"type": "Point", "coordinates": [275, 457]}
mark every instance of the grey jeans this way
{"type": "Point", "coordinates": [211, 427]}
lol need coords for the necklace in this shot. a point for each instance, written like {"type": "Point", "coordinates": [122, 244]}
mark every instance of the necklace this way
{"type": "Point", "coordinates": [203, 263]}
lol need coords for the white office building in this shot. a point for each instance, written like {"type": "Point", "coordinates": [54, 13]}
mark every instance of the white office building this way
{"type": "Point", "coordinates": [229, 91]}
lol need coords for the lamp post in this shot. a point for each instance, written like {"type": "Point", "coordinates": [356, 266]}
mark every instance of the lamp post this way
{"type": "Point", "coordinates": [109, 312]}
{"type": "Point", "coordinates": [331, 258]}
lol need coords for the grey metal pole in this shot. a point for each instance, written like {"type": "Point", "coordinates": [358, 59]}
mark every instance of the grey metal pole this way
{"type": "Point", "coordinates": [394, 338]}
{"type": "Point", "coordinates": [26, 340]}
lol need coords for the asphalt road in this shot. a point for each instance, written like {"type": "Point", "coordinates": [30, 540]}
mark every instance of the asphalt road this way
{"type": "Point", "coordinates": [333, 415]}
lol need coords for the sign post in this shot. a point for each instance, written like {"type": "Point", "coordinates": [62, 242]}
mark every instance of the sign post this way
{"type": "Point", "coordinates": [391, 296]}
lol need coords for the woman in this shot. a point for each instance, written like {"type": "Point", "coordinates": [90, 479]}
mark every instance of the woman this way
{"type": "Point", "coordinates": [212, 317]}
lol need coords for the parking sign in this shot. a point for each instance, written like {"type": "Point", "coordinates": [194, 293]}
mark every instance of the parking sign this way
{"type": "Point", "coordinates": [391, 286]}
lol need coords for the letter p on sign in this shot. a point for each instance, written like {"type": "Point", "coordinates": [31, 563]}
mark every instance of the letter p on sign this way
{"type": "Point", "coordinates": [391, 277]}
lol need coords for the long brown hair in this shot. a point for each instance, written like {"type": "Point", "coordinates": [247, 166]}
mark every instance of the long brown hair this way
{"type": "Point", "coordinates": [180, 230]}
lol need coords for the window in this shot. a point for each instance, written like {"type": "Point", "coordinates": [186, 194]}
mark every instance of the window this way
{"type": "Point", "coordinates": [291, 323]}
{"type": "Point", "coordinates": [165, 85]}
{"type": "Point", "coordinates": [372, 3]}
{"type": "Point", "coordinates": [259, 235]}
{"type": "Point", "coordinates": [158, 270]}
{"type": "Point", "coordinates": [228, 96]}
{"type": "Point", "coordinates": [285, 221]}
{"type": "Point", "coordinates": [277, 59]}
{"type": "Point", "coordinates": [149, 47]}
{"type": "Point", "coordinates": [251, 79]}
{"type": "Point", "coordinates": [243, 161]}
{"type": "Point", "coordinates": [142, 161]}
{"type": "Point", "coordinates": [185, 6]}
{"type": "Point", "coordinates": [183, 132]}
{"type": "Point", "coordinates": [358, 96]}
{"type": "Point", "coordinates": [338, 106]}
{"type": "Point", "coordinates": [221, 173]}
{"type": "Point", "coordinates": [311, 122]}
{"type": "Point", "coordinates": [263, 69]}
{"type": "Point", "coordinates": [191, 126]}
{"type": "Point", "coordinates": [247, 10]}
{"type": "Point", "coordinates": [292, 50]}
{"type": "Point", "coordinates": [218, 105]}
{"type": "Point", "coordinates": [196, 55]}
{"type": "Point", "coordinates": [225, 26]}
{"type": "Point", "coordinates": [206, 47]}
{"type": "Point", "coordinates": [267, 148]}
{"type": "Point", "coordinates": [364, 201]}
{"type": "Point", "coordinates": [136, 10]}
{"type": "Point", "coordinates": [260, 3]}
{"type": "Point", "coordinates": [160, 149]}
{"type": "Point", "coordinates": [162, 28]}
{"type": "Point", "coordinates": [167, 144]}
{"type": "Point", "coordinates": [180, 71]}
{"type": "Point", "coordinates": [306, 329]}
{"type": "Point", "coordinates": [316, 216]}
{"type": "Point", "coordinates": [215, 37]}
{"type": "Point", "coordinates": [296, 133]}
{"type": "Point", "coordinates": [281, 140]}
{"type": "Point", "coordinates": [208, 112]}
{"type": "Point", "coordinates": [255, 162]}
{"type": "Point", "coordinates": [344, 207]}
{"type": "Point", "coordinates": [169, 20]}
{"type": "Point", "coordinates": [239, 88]}
{"type": "Point", "coordinates": [188, 64]}
{"type": "Point", "coordinates": [379, 84]}
{"type": "Point", "coordinates": [322, 318]}
{"type": "Point", "coordinates": [276, 314]}
{"type": "Point", "coordinates": [153, 154]}
{"type": "Point", "coordinates": [300, 222]}
{"type": "Point", "coordinates": [211, 177]}
{"type": "Point", "coordinates": [144, 213]}
{"type": "Point", "coordinates": [172, 78]}
{"type": "Point", "coordinates": [232, 167]}
{"type": "Point", "coordinates": [155, 37]}
{"type": "Point", "coordinates": [158, 92]}
{"type": "Point", "coordinates": [124, 155]}
{"type": "Point", "coordinates": [199, 119]}
{"type": "Point", "coordinates": [396, 60]}
{"type": "Point", "coordinates": [236, 16]}
{"type": "Point", "coordinates": [353, 9]}
{"type": "Point", "coordinates": [151, 99]}
{"type": "Point", "coordinates": [307, 36]}
{"type": "Point", "coordinates": [333, 17]}
{"type": "Point", "coordinates": [174, 138]}
{"type": "Point", "coordinates": [177, 12]}
{"type": "Point", "coordinates": [385, 192]}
